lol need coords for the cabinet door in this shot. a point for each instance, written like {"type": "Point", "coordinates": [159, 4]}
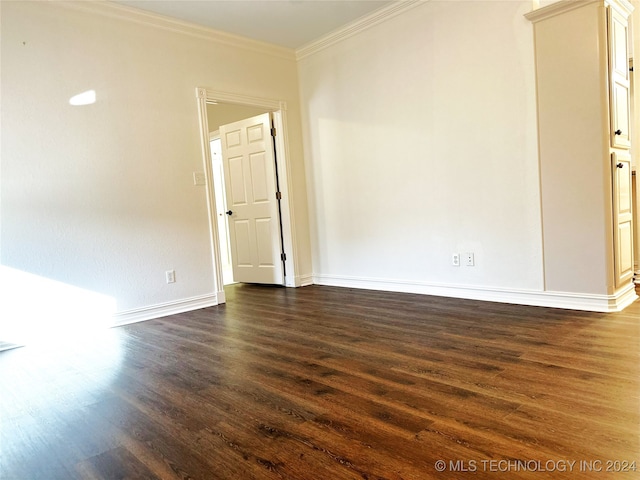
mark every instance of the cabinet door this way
{"type": "Point", "coordinates": [622, 218]}
{"type": "Point", "coordinates": [618, 38]}
{"type": "Point", "coordinates": [618, 44]}
{"type": "Point", "coordinates": [620, 114]}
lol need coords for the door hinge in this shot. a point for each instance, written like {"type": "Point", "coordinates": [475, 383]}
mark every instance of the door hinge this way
{"type": "Point", "coordinates": [273, 131]}
{"type": "Point", "coordinates": [278, 195]}
{"type": "Point", "coordinates": [283, 257]}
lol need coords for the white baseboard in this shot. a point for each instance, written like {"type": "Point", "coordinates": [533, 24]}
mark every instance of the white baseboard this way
{"type": "Point", "coordinates": [566, 300]}
{"type": "Point", "coordinates": [298, 281]}
{"type": "Point", "coordinates": [222, 298]}
{"type": "Point", "coordinates": [625, 297]}
{"type": "Point", "coordinates": [9, 345]}
{"type": "Point", "coordinates": [305, 280]}
{"type": "Point", "coordinates": [165, 309]}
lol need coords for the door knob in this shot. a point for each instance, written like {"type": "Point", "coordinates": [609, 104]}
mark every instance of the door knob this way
{"type": "Point", "coordinates": [620, 165]}
{"type": "Point", "coordinates": [229, 212]}
{"type": "Point", "coordinates": [618, 132]}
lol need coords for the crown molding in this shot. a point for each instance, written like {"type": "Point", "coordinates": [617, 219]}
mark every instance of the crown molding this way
{"type": "Point", "coordinates": [623, 6]}
{"type": "Point", "coordinates": [381, 15]}
{"type": "Point", "coordinates": [563, 6]}
{"type": "Point", "coordinates": [130, 14]}
{"type": "Point", "coordinates": [216, 96]}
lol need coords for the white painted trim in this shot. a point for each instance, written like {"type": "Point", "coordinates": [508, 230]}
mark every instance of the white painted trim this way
{"type": "Point", "coordinates": [565, 300]}
{"type": "Point", "coordinates": [10, 346]}
{"type": "Point", "coordinates": [304, 280]}
{"type": "Point", "coordinates": [287, 212]}
{"type": "Point", "coordinates": [625, 297]}
{"type": "Point", "coordinates": [222, 298]}
{"type": "Point", "coordinates": [164, 309]}
{"type": "Point", "coordinates": [216, 96]}
{"type": "Point", "coordinates": [623, 6]}
{"type": "Point", "coordinates": [298, 280]}
{"type": "Point", "coordinates": [555, 9]}
{"type": "Point", "coordinates": [135, 15]}
{"type": "Point", "coordinates": [214, 235]}
{"type": "Point", "coordinates": [381, 15]}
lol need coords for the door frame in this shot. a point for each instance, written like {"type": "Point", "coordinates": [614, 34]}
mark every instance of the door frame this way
{"type": "Point", "coordinates": [278, 108]}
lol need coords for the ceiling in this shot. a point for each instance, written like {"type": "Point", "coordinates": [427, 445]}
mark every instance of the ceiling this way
{"type": "Point", "coordinates": [287, 23]}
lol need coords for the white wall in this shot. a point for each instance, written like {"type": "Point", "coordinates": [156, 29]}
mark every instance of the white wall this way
{"type": "Point", "coordinates": [101, 197]}
{"type": "Point", "coordinates": [420, 141]}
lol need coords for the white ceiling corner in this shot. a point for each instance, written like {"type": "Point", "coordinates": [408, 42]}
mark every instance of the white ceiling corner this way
{"type": "Point", "coordinates": [286, 23]}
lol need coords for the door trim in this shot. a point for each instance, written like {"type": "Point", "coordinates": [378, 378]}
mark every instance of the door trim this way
{"type": "Point", "coordinates": [279, 110]}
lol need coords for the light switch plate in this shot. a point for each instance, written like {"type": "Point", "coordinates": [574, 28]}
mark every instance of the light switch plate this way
{"type": "Point", "coordinates": [198, 178]}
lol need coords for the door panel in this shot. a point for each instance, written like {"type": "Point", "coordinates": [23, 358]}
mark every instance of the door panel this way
{"type": "Point", "coordinates": [235, 181]}
{"type": "Point", "coordinates": [255, 133]}
{"type": "Point", "coordinates": [259, 178]}
{"type": "Point", "coordinates": [232, 138]}
{"type": "Point", "coordinates": [623, 218]}
{"type": "Point", "coordinates": [242, 255]}
{"type": "Point", "coordinates": [254, 223]}
{"type": "Point", "coordinates": [265, 242]}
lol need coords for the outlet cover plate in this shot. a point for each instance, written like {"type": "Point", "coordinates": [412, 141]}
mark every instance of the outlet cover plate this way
{"type": "Point", "coordinates": [469, 259]}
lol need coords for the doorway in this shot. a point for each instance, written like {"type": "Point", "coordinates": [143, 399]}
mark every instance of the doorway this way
{"type": "Point", "coordinates": [222, 105]}
{"type": "Point", "coordinates": [253, 200]}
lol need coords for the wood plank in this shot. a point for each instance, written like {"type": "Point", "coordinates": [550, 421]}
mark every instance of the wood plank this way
{"type": "Point", "coordinates": [323, 382]}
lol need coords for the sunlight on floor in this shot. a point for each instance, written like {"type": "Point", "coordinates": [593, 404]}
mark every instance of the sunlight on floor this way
{"type": "Point", "coordinates": [39, 311]}
{"type": "Point", "coordinates": [70, 355]}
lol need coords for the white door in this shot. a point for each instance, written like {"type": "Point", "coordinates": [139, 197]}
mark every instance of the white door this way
{"type": "Point", "coordinates": [221, 208]}
{"type": "Point", "coordinates": [250, 186]}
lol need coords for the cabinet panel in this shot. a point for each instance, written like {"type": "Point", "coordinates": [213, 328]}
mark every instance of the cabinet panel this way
{"type": "Point", "coordinates": [618, 45]}
{"type": "Point", "coordinates": [622, 217]}
{"type": "Point", "coordinates": [620, 115]}
{"type": "Point", "coordinates": [624, 261]}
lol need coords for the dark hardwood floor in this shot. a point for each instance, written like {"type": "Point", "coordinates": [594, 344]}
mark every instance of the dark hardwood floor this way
{"type": "Point", "coordinates": [329, 383]}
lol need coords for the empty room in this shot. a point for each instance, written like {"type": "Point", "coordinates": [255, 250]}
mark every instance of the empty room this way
{"type": "Point", "coordinates": [319, 239]}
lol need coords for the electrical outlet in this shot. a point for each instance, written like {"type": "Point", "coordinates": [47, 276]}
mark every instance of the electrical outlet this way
{"type": "Point", "coordinates": [455, 259]}
{"type": "Point", "coordinates": [171, 276]}
{"type": "Point", "coordinates": [469, 261]}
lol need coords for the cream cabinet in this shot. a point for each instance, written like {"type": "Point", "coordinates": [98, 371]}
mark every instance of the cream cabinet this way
{"type": "Point", "coordinates": [619, 84]}
{"type": "Point", "coordinates": [584, 123]}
